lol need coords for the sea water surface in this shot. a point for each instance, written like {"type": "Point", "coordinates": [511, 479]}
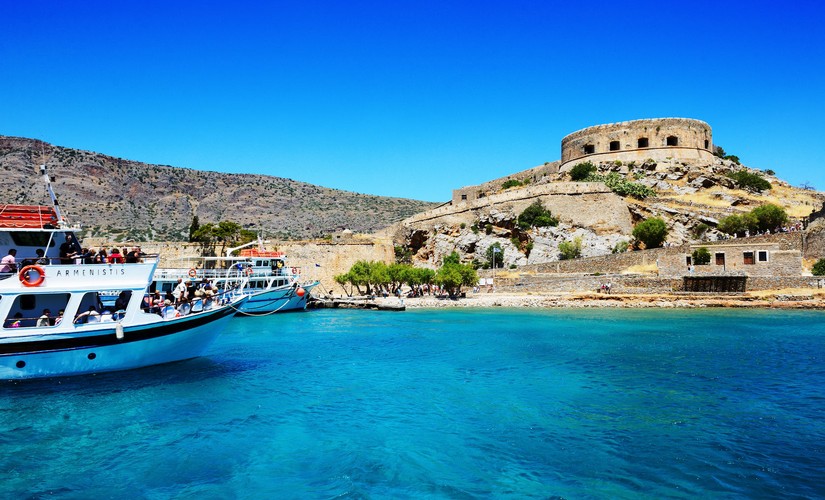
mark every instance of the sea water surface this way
{"type": "Point", "coordinates": [442, 404]}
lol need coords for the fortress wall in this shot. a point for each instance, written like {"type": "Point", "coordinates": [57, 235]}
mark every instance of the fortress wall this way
{"type": "Point", "coordinates": [585, 204]}
{"type": "Point", "coordinates": [530, 176]}
{"type": "Point", "coordinates": [680, 138]}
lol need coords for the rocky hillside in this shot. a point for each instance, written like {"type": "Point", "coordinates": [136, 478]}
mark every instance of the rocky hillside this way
{"type": "Point", "coordinates": [128, 200]}
{"type": "Point", "coordinates": [690, 197]}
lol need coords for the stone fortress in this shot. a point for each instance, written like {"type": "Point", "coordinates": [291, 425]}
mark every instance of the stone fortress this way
{"type": "Point", "coordinates": [658, 139]}
{"type": "Point", "coordinates": [638, 140]}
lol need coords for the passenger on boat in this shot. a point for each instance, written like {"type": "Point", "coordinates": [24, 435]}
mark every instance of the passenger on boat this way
{"type": "Point", "coordinates": [42, 260]}
{"type": "Point", "coordinates": [89, 256]}
{"type": "Point", "coordinates": [90, 316]}
{"type": "Point", "coordinates": [133, 256]}
{"type": "Point", "coordinates": [104, 256]}
{"type": "Point", "coordinates": [45, 319]}
{"type": "Point", "coordinates": [59, 318]}
{"type": "Point", "coordinates": [68, 250]}
{"type": "Point", "coordinates": [15, 322]}
{"type": "Point", "coordinates": [179, 292]}
{"type": "Point", "coordinates": [9, 265]}
{"type": "Point", "coordinates": [115, 257]}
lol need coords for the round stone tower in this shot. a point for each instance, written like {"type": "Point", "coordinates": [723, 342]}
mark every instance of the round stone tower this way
{"type": "Point", "coordinates": [638, 140]}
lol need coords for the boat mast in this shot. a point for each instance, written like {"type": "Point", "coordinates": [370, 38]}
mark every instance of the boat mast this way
{"type": "Point", "coordinates": [49, 189]}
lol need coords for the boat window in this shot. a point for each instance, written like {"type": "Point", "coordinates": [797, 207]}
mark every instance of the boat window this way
{"type": "Point", "coordinates": [102, 306]}
{"type": "Point", "coordinates": [31, 239]}
{"type": "Point", "coordinates": [30, 310]}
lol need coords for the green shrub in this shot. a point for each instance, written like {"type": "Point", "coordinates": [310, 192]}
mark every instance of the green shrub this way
{"type": "Point", "coordinates": [622, 186]}
{"type": "Point", "coordinates": [495, 255]}
{"type": "Point", "coordinates": [571, 249]}
{"type": "Point", "coordinates": [750, 180]}
{"type": "Point", "coordinates": [700, 229]}
{"type": "Point", "coordinates": [488, 228]}
{"type": "Point", "coordinates": [580, 171]}
{"type": "Point", "coordinates": [761, 218]}
{"type": "Point", "coordinates": [701, 256]}
{"type": "Point", "coordinates": [652, 232]}
{"type": "Point", "coordinates": [536, 216]}
{"type": "Point", "coordinates": [620, 247]}
{"type": "Point", "coordinates": [511, 183]}
{"type": "Point", "coordinates": [819, 268]}
{"type": "Point", "coordinates": [769, 217]}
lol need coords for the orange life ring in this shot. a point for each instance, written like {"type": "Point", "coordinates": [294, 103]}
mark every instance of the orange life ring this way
{"type": "Point", "coordinates": [249, 271]}
{"type": "Point", "coordinates": [193, 272]}
{"type": "Point", "coordinates": [24, 276]}
{"type": "Point", "coordinates": [294, 270]}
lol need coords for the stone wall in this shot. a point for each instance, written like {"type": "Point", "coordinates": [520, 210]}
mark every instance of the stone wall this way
{"type": "Point", "coordinates": [331, 258]}
{"type": "Point", "coordinates": [536, 175]}
{"type": "Point", "coordinates": [605, 264]}
{"type": "Point", "coordinates": [680, 138]}
{"type": "Point", "coordinates": [585, 204]}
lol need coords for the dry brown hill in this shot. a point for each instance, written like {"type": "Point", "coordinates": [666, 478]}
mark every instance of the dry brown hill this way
{"type": "Point", "coordinates": [128, 200]}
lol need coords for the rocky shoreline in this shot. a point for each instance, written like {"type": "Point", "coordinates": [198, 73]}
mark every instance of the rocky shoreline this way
{"type": "Point", "coordinates": [776, 300]}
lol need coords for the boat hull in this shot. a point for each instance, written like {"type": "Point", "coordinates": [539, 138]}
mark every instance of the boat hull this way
{"type": "Point", "coordinates": [102, 350]}
{"type": "Point", "coordinates": [274, 300]}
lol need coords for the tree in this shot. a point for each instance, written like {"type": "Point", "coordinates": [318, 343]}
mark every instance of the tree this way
{"type": "Point", "coordinates": [571, 249]}
{"type": "Point", "coordinates": [701, 256]}
{"type": "Point", "coordinates": [536, 216]}
{"type": "Point", "coordinates": [452, 275]}
{"type": "Point", "coordinates": [495, 255]}
{"type": "Point", "coordinates": [343, 279]}
{"type": "Point", "coordinates": [769, 217]}
{"type": "Point", "coordinates": [749, 180]}
{"type": "Point", "coordinates": [652, 232]}
{"type": "Point", "coordinates": [580, 171]}
{"type": "Point", "coordinates": [193, 228]}
{"type": "Point", "coordinates": [819, 268]}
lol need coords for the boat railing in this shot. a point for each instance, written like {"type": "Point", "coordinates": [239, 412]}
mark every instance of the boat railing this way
{"type": "Point", "coordinates": [56, 261]}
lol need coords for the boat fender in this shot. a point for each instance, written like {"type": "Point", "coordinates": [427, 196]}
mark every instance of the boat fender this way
{"type": "Point", "coordinates": [24, 276]}
{"type": "Point", "coordinates": [119, 331]}
{"type": "Point", "coordinates": [300, 292]}
{"type": "Point", "coordinates": [249, 271]}
{"type": "Point", "coordinates": [193, 272]}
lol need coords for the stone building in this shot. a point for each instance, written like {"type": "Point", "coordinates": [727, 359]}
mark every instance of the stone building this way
{"type": "Point", "coordinates": [639, 140]}
{"type": "Point", "coordinates": [748, 258]}
{"type": "Point", "coordinates": [659, 139]}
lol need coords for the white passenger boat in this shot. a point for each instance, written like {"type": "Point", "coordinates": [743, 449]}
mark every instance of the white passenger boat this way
{"type": "Point", "coordinates": [56, 321]}
{"type": "Point", "coordinates": [61, 317]}
{"type": "Point", "coordinates": [262, 276]}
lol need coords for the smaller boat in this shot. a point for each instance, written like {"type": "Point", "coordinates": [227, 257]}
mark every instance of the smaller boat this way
{"type": "Point", "coordinates": [262, 276]}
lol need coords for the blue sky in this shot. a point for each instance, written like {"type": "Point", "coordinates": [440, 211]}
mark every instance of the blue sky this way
{"type": "Point", "coordinates": [408, 98]}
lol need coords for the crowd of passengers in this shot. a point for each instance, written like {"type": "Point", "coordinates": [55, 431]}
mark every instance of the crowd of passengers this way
{"type": "Point", "coordinates": [182, 299]}
{"type": "Point", "coordinates": [70, 255]}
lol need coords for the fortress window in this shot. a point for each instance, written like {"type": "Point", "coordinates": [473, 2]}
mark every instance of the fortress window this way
{"type": "Point", "coordinates": [642, 142]}
{"type": "Point", "coordinates": [706, 143]}
{"type": "Point", "coordinates": [589, 149]}
{"type": "Point", "coordinates": [747, 257]}
{"type": "Point", "coordinates": [672, 140]}
{"type": "Point", "coordinates": [614, 145]}
{"type": "Point", "coordinates": [463, 196]}
{"type": "Point", "coordinates": [762, 256]}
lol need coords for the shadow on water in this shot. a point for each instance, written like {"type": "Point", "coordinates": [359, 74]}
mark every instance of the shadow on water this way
{"type": "Point", "coordinates": [196, 370]}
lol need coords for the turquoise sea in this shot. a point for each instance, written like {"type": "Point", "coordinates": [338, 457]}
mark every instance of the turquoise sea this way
{"type": "Point", "coordinates": [442, 404]}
